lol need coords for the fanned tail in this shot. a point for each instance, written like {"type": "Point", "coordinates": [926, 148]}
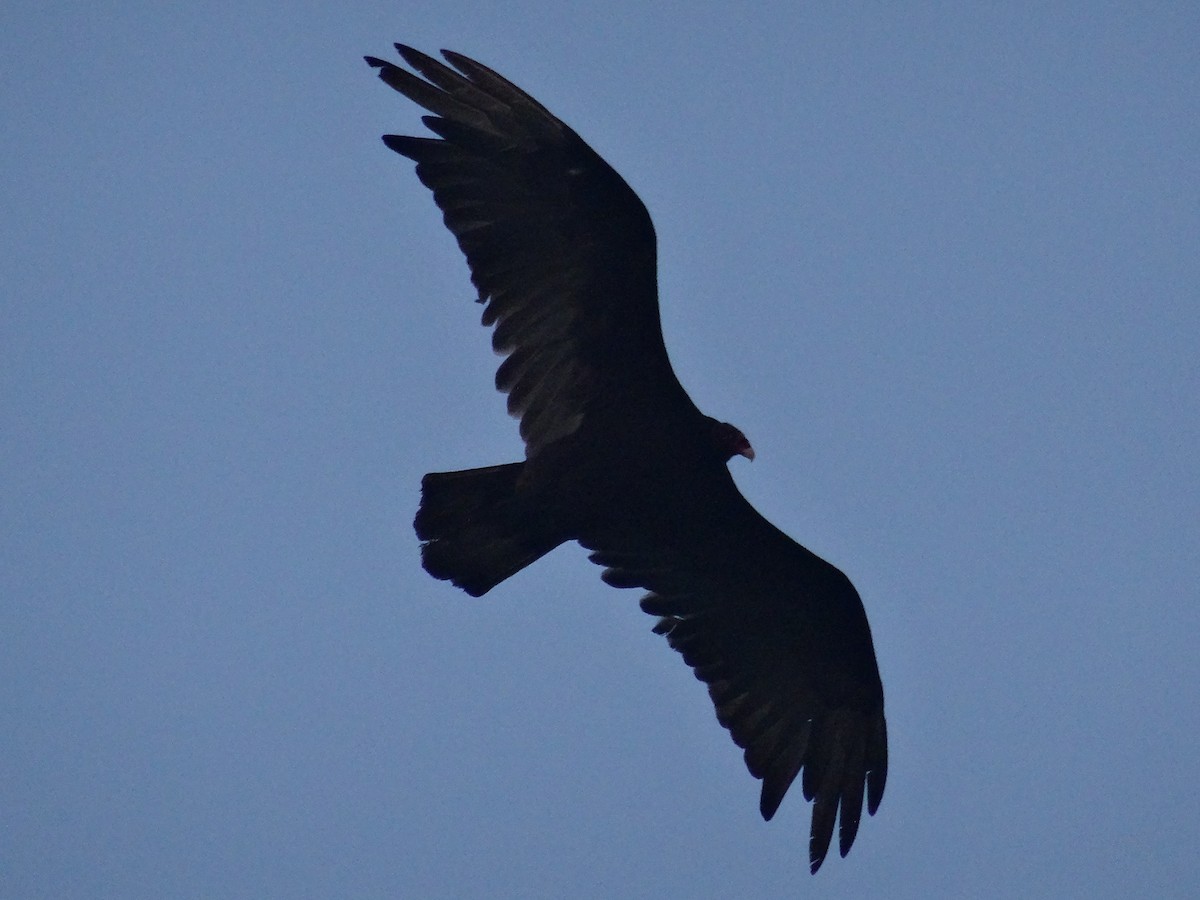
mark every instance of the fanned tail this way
{"type": "Point", "coordinates": [475, 531]}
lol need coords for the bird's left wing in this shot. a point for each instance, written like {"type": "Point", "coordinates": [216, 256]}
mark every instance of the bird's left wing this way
{"type": "Point", "coordinates": [559, 246]}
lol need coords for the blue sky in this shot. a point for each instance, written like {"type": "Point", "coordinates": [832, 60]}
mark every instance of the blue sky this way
{"type": "Point", "coordinates": [938, 261]}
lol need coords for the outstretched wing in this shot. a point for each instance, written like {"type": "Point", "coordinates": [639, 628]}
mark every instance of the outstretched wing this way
{"type": "Point", "coordinates": [559, 246]}
{"type": "Point", "coordinates": [781, 639]}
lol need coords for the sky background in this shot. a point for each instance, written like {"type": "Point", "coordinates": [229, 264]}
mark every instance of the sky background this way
{"type": "Point", "coordinates": [939, 261]}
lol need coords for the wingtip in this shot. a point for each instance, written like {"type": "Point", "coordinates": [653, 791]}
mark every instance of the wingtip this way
{"type": "Point", "coordinates": [768, 804]}
{"type": "Point", "coordinates": [816, 854]}
{"type": "Point", "coordinates": [814, 862]}
{"type": "Point", "coordinates": [815, 858]}
{"type": "Point", "coordinates": [876, 780]}
{"type": "Point", "coordinates": [847, 832]}
{"type": "Point", "coordinates": [413, 56]}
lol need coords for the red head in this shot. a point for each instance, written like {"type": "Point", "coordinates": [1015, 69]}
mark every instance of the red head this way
{"type": "Point", "coordinates": [730, 441]}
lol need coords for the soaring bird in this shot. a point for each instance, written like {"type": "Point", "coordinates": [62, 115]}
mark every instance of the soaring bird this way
{"type": "Point", "coordinates": [617, 457]}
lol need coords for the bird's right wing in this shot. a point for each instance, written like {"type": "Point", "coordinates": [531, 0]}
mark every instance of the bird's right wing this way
{"type": "Point", "coordinates": [782, 641]}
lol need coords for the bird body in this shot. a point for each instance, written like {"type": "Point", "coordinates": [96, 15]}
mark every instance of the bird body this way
{"type": "Point", "coordinates": [618, 458]}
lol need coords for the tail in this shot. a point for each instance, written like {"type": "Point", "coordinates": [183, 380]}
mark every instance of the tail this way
{"type": "Point", "coordinates": [475, 530]}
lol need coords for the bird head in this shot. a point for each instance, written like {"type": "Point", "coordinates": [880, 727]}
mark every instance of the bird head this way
{"type": "Point", "coordinates": [730, 441]}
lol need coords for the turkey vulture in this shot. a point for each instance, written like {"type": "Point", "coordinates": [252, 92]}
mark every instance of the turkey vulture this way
{"type": "Point", "coordinates": [618, 458]}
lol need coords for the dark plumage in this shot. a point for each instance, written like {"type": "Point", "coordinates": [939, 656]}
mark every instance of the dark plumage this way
{"type": "Point", "coordinates": [562, 252]}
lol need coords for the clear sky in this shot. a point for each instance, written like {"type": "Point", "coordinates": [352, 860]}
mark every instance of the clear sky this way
{"type": "Point", "coordinates": [940, 262]}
